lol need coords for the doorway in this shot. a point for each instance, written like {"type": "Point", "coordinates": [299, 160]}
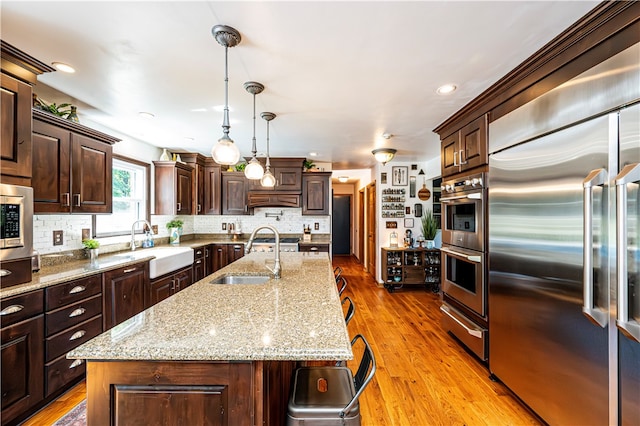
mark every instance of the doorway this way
{"type": "Point", "coordinates": [341, 225]}
{"type": "Point", "coordinates": [371, 229]}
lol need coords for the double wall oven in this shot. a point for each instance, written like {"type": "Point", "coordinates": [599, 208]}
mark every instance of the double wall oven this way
{"type": "Point", "coordinates": [464, 268]}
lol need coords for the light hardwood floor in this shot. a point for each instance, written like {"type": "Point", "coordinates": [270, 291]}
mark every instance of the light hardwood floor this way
{"type": "Point", "coordinates": [424, 377]}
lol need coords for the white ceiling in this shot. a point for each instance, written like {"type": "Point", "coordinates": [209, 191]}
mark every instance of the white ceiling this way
{"type": "Point", "coordinates": [337, 74]}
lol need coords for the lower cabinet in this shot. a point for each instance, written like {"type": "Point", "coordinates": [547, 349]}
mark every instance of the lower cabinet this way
{"type": "Point", "coordinates": [313, 248]}
{"type": "Point", "coordinates": [224, 254]}
{"type": "Point", "coordinates": [201, 262]}
{"type": "Point", "coordinates": [169, 284]}
{"type": "Point", "coordinates": [124, 293]}
{"type": "Point", "coordinates": [402, 266]}
{"type": "Point", "coordinates": [22, 337]}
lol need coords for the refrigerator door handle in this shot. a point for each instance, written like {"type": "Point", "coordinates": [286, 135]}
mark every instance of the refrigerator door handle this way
{"type": "Point", "coordinates": [596, 315]}
{"type": "Point", "coordinates": [629, 174]}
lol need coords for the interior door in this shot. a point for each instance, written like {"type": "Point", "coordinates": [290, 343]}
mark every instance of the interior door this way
{"type": "Point", "coordinates": [360, 230]}
{"type": "Point", "coordinates": [341, 225]}
{"type": "Point", "coordinates": [371, 228]}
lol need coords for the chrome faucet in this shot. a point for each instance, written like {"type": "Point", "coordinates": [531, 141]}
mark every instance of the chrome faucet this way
{"type": "Point", "coordinates": [133, 230]}
{"type": "Point", "coordinates": [247, 250]}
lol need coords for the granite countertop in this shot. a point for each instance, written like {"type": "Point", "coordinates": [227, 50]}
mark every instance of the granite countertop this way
{"type": "Point", "coordinates": [298, 317]}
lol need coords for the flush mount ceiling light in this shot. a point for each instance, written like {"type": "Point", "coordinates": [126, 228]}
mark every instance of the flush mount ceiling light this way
{"type": "Point", "coordinates": [254, 169]}
{"type": "Point", "coordinates": [384, 155]}
{"type": "Point", "coordinates": [226, 152]}
{"type": "Point", "coordinates": [147, 115]}
{"type": "Point", "coordinates": [343, 179]}
{"type": "Point", "coordinates": [446, 89]}
{"type": "Point", "coordinates": [268, 179]}
{"type": "Point", "coordinates": [60, 66]}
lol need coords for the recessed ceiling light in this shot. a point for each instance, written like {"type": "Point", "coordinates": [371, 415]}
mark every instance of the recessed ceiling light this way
{"type": "Point", "coordinates": [145, 114]}
{"type": "Point", "coordinates": [60, 66]}
{"type": "Point", "coordinates": [387, 135]}
{"type": "Point", "coordinates": [446, 89]}
{"type": "Point", "coordinates": [313, 154]}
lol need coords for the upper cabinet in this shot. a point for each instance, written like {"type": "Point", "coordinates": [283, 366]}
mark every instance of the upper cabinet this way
{"type": "Point", "coordinates": [288, 174]}
{"type": "Point", "coordinates": [19, 72]}
{"type": "Point", "coordinates": [316, 190]}
{"type": "Point", "coordinates": [465, 149]}
{"type": "Point", "coordinates": [197, 161]}
{"type": "Point", "coordinates": [212, 187]}
{"type": "Point", "coordinates": [173, 188]}
{"type": "Point", "coordinates": [234, 193]}
{"type": "Point", "coordinates": [71, 166]}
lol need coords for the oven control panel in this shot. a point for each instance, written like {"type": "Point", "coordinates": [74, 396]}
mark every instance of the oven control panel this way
{"type": "Point", "coordinates": [464, 184]}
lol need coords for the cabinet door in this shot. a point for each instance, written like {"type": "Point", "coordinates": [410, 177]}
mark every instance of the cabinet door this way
{"type": "Point", "coordinates": [199, 263]}
{"type": "Point", "coordinates": [234, 194]}
{"type": "Point", "coordinates": [183, 279]}
{"type": "Point", "coordinates": [199, 189]}
{"type": "Point", "coordinates": [91, 182]}
{"type": "Point", "coordinates": [449, 161]}
{"type": "Point", "coordinates": [184, 188]}
{"type": "Point", "coordinates": [473, 144]}
{"type": "Point", "coordinates": [15, 128]}
{"type": "Point", "coordinates": [124, 293]}
{"type": "Point", "coordinates": [212, 186]}
{"type": "Point", "coordinates": [22, 367]}
{"type": "Point", "coordinates": [220, 256]}
{"type": "Point", "coordinates": [315, 194]}
{"type": "Point", "coordinates": [51, 177]}
{"type": "Point", "coordinates": [288, 178]}
{"type": "Point", "coordinates": [235, 252]}
{"type": "Point", "coordinates": [160, 289]}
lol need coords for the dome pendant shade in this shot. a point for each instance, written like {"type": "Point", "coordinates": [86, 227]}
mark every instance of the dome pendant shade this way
{"type": "Point", "coordinates": [268, 179]}
{"type": "Point", "coordinates": [225, 152]}
{"type": "Point", "coordinates": [384, 155]}
{"type": "Point", "coordinates": [254, 170]}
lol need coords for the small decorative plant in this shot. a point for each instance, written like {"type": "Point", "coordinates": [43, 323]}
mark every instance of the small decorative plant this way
{"type": "Point", "coordinates": [58, 110]}
{"type": "Point", "coordinates": [429, 225]}
{"type": "Point", "coordinates": [308, 164]}
{"type": "Point", "coordinates": [175, 223]}
{"type": "Point", "coordinates": [91, 244]}
{"type": "Point", "coordinates": [240, 167]}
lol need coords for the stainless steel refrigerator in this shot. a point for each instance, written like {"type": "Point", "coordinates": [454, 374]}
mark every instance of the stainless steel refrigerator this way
{"type": "Point", "coordinates": [564, 265]}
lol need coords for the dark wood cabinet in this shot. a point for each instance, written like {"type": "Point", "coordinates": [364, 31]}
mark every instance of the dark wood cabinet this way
{"type": "Point", "coordinates": [288, 174]}
{"type": "Point", "coordinates": [19, 74]}
{"type": "Point", "coordinates": [262, 199]}
{"type": "Point", "coordinates": [403, 266]}
{"type": "Point", "coordinates": [201, 262]}
{"type": "Point", "coordinates": [124, 292]}
{"type": "Point", "coordinates": [22, 358]}
{"type": "Point", "coordinates": [173, 188]}
{"type": "Point", "coordinates": [465, 149]}
{"type": "Point", "coordinates": [212, 187]}
{"type": "Point", "coordinates": [198, 162]}
{"type": "Point", "coordinates": [235, 252]}
{"type": "Point", "coordinates": [313, 247]}
{"type": "Point", "coordinates": [167, 285]}
{"type": "Point", "coordinates": [224, 254]}
{"type": "Point", "coordinates": [71, 167]}
{"type": "Point", "coordinates": [316, 191]}
{"type": "Point", "coordinates": [234, 193]}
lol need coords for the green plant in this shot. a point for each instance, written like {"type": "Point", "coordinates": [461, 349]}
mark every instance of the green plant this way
{"type": "Point", "coordinates": [91, 243]}
{"type": "Point", "coordinates": [240, 167]}
{"type": "Point", "coordinates": [175, 223]}
{"type": "Point", "coordinates": [56, 109]}
{"type": "Point", "coordinates": [429, 225]}
{"type": "Point", "coordinates": [308, 164]}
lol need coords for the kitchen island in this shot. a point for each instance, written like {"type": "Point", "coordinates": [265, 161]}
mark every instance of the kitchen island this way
{"type": "Point", "coordinates": [218, 353]}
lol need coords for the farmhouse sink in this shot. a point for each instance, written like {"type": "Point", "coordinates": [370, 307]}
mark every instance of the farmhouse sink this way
{"type": "Point", "coordinates": [167, 259]}
{"type": "Point", "coordinates": [241, 279]}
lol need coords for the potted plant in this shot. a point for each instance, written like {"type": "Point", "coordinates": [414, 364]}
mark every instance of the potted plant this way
{"type": "Point", "coordinates": [175, 230]}
{"type": "Point", "coordinates": [429, 228]}
{"type": "Point", "coordinates": [58, 110]}
{"type": "Point", "coordinates": [91, 246]}
{"type": "Point", "coordinates": [240, 167]}
{"type": "Point", "coordinates": [308, 165]}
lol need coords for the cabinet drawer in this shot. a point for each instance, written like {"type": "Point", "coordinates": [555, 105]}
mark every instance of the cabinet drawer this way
{"type": "Point", "coordinates": [61, 371]}
{"type": "Point", "coordinates": [60, 295]}
{"type": "Point", "coordinates": [21, 307]}
{"type": "Point", "coordinates": [414, 274]}
{"type": "Point", "coordinates": [68, 339]}
{"type": "Point", "coordinates": [199, 252]}
{"type": "Point", "coordinates": [314, 247]}
{"type": "Point", "coordinates": [73, 314]}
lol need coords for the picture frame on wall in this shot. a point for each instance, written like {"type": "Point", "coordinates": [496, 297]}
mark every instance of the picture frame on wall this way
{"type": "Point", "coordinates": [399, 175]}
{"type": "Point", "coordinates": [383, 178]}
{"type": "Point", "coordinates": [392, 224]}
{"type": "Point", "coordinates": [412, 187]}
{"type": "Point", "coordinates": [408, 222]}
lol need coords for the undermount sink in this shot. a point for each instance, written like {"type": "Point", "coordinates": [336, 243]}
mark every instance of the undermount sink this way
{"type": "Point", "coordinates": [241, 279]}
{"type": "Point", "coordinates": [167, 259]}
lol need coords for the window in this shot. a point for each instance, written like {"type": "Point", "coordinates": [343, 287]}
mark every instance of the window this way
{"type": "Point", "coordinates": [130, 198]}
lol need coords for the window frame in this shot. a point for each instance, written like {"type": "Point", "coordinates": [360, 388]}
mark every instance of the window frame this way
{"type": "Point", "coordinates": [147, 190]}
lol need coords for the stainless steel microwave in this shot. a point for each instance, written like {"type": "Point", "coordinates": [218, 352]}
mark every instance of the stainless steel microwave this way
{"type": "Point", "coordinates": [16, 222]}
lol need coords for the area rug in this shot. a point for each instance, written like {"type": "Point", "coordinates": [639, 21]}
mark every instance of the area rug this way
{"type": "Point", "coordinates": [76, 417]}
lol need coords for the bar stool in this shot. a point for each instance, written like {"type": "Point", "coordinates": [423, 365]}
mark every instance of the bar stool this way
{"type": "Point", "coordinates": [351, 309]}
{"type": "Point", "coordinates": [342, 284]}
{"type": "Point", "coordinates": [329, 395]}
{"type": "Point", "coordinates": [337, 272]}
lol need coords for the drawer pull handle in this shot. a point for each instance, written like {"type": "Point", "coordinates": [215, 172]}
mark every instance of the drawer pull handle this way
{"type": "Point", "coordinates": [126, 271]}
{"type": "Point", "coordinates": [199, 252]}
{"type": "Point", "coordinates": [77, 312]}
{"type": "Point", "coordinates": [199, 261]}
{"type": "Point", "coordinates": [4, 272]}
{"type": "Point", "coordinates": [76, 363]}
{"type": "Point", "coordinates": [11, 309]}
{"type": "Point", "coordinates": [77, 335]}
{"type": "Point", "coordinates": [314, 248]}
{"type": "Point", "coordinates": [77, 289]}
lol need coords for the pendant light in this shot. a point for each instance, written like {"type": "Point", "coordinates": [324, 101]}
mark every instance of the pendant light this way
{"type": "Point", "coordinates": [226, 152]}
{"type": "Point", "coordinates": [268, 180]}
{"type": "Point", "coordinates": [254, 169]}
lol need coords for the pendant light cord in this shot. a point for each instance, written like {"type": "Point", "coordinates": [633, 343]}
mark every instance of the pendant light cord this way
{"type": "Point", "coordinates": [225, 123]}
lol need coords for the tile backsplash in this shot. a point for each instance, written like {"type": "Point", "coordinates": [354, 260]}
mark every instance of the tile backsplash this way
{"type": "Point", "coordinates": [285, 220]}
